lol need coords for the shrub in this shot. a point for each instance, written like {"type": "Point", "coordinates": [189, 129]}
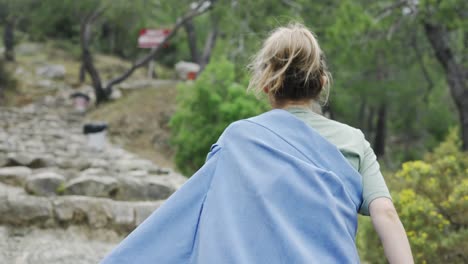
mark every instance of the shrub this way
{"type": "Point", "coordinates": [433, 206]}
{"type": "Point", "coordinates": [204, 109]}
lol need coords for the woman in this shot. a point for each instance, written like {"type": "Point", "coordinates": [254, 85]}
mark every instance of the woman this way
{"type": "Point", "coordinates": [283, 187]}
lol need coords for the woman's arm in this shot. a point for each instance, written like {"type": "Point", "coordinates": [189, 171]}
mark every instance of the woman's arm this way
{"type": "Point", "coordinates": [392, 234]}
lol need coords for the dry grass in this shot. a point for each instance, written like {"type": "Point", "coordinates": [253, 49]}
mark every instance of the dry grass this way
{"type": "Point", "coordinates": [139, 122]}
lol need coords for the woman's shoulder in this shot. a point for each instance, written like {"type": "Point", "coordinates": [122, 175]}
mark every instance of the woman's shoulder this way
{"type": "Point", "coordinates": [342, 135]}
{"type": "Point", "coordinates": [345, 128]}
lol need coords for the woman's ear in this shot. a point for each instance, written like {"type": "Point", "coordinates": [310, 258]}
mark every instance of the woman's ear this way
{"type": "Point", "coordinates": [266, 90]}
{"type": "Point", "coordinates": [324, 80]}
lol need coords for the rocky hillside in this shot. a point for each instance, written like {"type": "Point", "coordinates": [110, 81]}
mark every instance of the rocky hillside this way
{"type": "Point", "coordinates": [62, 201]}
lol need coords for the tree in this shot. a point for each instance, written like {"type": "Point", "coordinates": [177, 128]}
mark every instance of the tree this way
{"type": "Point", "coordinates": [443, 23]}
{"type": "Point", "coordinates": [204, 109]}
{"type": "Point", "coordinates": [104, 91]}
{"type": "Point", "coordinates": [456, 72]}
{"type": "Point", "coordinates": [8, 38]}
{"type": "Point", "coordinates": [385, 77]}
{"type": "Point", "coordinates": [11, 12]}
{"type": "Point", "coordinates": [198, 56]}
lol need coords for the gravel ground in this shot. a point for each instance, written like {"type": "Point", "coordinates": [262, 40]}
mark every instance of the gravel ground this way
{"type": "Point", "coordinates": [75, 245]}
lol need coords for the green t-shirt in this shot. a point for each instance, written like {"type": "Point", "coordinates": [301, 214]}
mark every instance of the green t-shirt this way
{"type": "Point", "coordinates": [355, 148]}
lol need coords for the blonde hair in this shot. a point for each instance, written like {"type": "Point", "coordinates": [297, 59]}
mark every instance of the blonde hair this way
{"type": "Point", "coordinates": [291, 65]}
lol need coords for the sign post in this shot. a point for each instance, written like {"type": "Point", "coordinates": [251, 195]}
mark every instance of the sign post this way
{"type": "Point", "coordinates": [151, 39]}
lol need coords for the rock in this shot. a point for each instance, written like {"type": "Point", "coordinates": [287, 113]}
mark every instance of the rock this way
{"type": "Point", "coordinates": [93, 171]}
{"type": "Point", "coordinates": [25, 210]}
{"type": "Point", "coordinates": [20, 71]}
{"type": "Point", "coordinates": [4, 147]}
{"type": "Point", "coordinates": [163, 171]}
{"type": "Point", "coordinates": [183, 69]}
{"type": "Point", "coordinates": [158, 189]}
{"type": "Point", "coordinates": [137, 174]}
{"type": "Point", "coordinates": [32, 161]}
{"type": "Point", "coordinates": [3, 160]}
{"type": "Point", "coordinates": [116, 94]}
{"type": "Point", "coordinates": [20, 159]}
{"type": "Point", "coordinates": [176, 180]}
{"type": "Point", "coordinates": [44, 184]}
{"type": "Point", "coordinates": [147, 189]}
{"type": "Point", "coordinates": [95, 212]}
{"type": "Point", "coordinates": [73, 163]}
{"type": "Point", "coordinates": [130, 190]}
{"type": "Point", "coordinates": [135, 164]}
{"type": "Point", "coordinates": [14, 175]}
{"type": "Point", "coordinates": [28, 48]}
{"type": "Point", "coordinates": [123, 214]}
{"type": "Point", "coordinates": [52, 71]}
{"type": "Point", "coordinates": [145, 209]}
{"type": "Point", "coordinates": [46, 84]}
{"type": "Point", "coordinates": [99, 163]}
{"type": "Point", "coordinates": [63, 209]}
{"type": "Point", "coordinates": [96, 186]}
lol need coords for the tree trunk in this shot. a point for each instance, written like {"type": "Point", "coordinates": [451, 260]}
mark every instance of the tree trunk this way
{"type": "Point", "coordinates": [362, 115]}
{"type": "Point", "coordinates": [82, 74]}
{"type": "Point", "coordinates": [456, 73]}
{"type": "Point", "coordinates": [3, 77]}
{"type": "Point", "coordinates": [327, 111]}
{"type": "Point", "coordinates": [9, 39]}
{"type": "Point", "coordinates": [209, 45]}
{"type": "Point", "coordinates": [2, 97]}
{"type": "Point", "coordinates": [370, 122]}
{"type": "Point", "coordinates": [101, 94]}
{"type": "Point", "coordinates": [87, 59]}
{"type": "Point", "coordinates": [192, 40]}
{"type": "Point", "coordinates": [379, 143]}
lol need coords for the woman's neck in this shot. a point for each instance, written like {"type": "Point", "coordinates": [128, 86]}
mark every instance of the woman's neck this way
{"type": "Point", "coordinates": [306, 104]}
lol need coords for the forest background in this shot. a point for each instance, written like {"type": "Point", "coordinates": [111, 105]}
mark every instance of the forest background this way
{"type": "Point", "coordinates": [400, 71]}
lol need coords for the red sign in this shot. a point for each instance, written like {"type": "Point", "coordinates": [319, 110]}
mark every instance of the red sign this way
{"type": "Point", "coordinates": [152, 38]}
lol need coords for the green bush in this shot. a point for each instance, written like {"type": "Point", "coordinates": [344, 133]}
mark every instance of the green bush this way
{"type": "Point", "coordinates": [433, 206]}
{"type": "Point", "coordinates": [204, 109]}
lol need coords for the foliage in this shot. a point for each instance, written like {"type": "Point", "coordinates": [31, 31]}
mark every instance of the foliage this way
{"type": "Point", "coordinates": [204, 109]}
{"type": "Point", "coordinates": [61, 19]}
{"type": "Point", "coordinates": [387, 60]}
{"type": "Point", "coordinates": [433, 206]}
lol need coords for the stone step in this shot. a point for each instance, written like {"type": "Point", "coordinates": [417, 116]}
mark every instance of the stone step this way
{"type": "Point", "coordinates": [94, 182]}
{"type": "Point", "coordinates": [20, 209]}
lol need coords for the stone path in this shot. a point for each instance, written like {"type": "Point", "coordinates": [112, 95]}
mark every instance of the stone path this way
{"type": "Point", "coordinates": [75, 245]}
{"type": "Point", "coordinates": [56, 191]}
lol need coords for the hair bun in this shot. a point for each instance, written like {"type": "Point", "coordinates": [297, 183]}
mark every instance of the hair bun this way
{"type": "Point", "coordinates": [290, 64]}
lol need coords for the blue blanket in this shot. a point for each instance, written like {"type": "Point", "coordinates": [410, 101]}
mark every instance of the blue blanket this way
{"type": "Point", "coordinates": [271, 191]}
